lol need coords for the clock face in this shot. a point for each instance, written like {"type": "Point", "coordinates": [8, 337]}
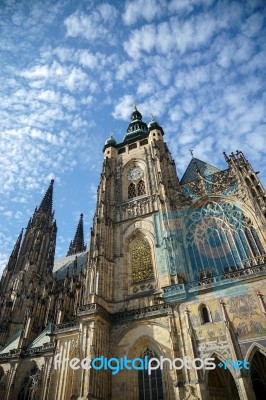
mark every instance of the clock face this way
{"type": "Point", "coordinates": [135, 174]}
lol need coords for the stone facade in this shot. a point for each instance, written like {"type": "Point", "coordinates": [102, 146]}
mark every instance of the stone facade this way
{"type": "Point", "coordinates": [173, 269]}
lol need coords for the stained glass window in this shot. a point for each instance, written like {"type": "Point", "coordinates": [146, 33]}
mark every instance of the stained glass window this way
{"type": "Point", "coordinates": [141, 188]}
{"type": "Point", "coordinates": [150, 386]}
{"type": "Point", "coordinates": [218, 236]}
{"type": "Point", "coordinates": [141, 260]}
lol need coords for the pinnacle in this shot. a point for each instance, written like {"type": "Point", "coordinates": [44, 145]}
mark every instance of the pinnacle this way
{"type": "Point", "coordinates": [77, 245]}
{"type": "Point", "coordinates": [47, 201]}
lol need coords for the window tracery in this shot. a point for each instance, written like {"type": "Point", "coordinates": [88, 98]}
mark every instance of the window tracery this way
{"type": "Point", "coordinates": [141, 260]}
{"type": "Point", "coordinates": [219, 236]}
{"type": "Point", "coordinates": [137, 185]}
{"type": "Point", "coordinates": [141, 188]}
{"type": "Point", "coordinates": [29, 387]}
{"type": "Point", "coordinates": [131, 191]}
{"type": "Point", "coordinates": [150, 386]}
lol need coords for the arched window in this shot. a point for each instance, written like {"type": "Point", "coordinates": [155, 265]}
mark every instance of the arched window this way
{"type": "Point", "coordinates": [141, 188]}
{"type": "Point", "coordinates": [29, 387]}
{"type": "Point", "coordinates": [2, 381]}
{"type": "Point", "coordinates": [257, 240]}
{"type": "Point", "coordinates": [218, 236]}
{"type": "Point", "coordinates": [141, 260]}
{"type": "Point", "coordinates": [221, 384]}
{"type": "Point", "coordinates": [150, 386]}
{"type": "Point", "coordinates": [204, 314]}
{"type": "Point", "coordinates": [258, 375]}
{"type": "Point", "coordinates": [131, 191]}
{"type": "Point", "coordinates": [253, 179]}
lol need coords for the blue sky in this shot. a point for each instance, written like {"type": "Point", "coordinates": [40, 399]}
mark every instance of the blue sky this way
{"type": "Point", "coordinates": [71, 70]}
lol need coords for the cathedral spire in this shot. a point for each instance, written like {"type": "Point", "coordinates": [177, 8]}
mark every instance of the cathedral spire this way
{"type": "Point", "coordinates": [11, 264]}
{"type": "Point", "coordinates": [77, 245]}
{"type": "Point", "coordinates": [14, 255]}
{"type": "Point", "coordinates": [47, 201]}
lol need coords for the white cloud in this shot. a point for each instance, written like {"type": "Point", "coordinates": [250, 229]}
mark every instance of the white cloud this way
{"type": "Point", "coordinates": [146, 87]}
{"type": "Point", "coordinates": [137, 9]}
{"type": "Point", "coordinates": [87, 100]}
{"type": "Point", "coordinates": [189, 105]}
{"type": "Point", "coordinates": [73, 78]}
{"type": "Point", "coordinates": [143, 39]}
{"type": "Point", "coordinates": [186, 6]}
{"type": "Point", "coordinates": [175, 113]}
{"type": "Point", "coordinates": [93, 26]}
{"type": "Point", "coordinates": [172, 35]}
{"type": "Point", "coordinates": [253, 24]}
{"type": "Point", "coordinates": [125, 69]}
{"type": "Point", "coordinates": [88, 59]}
{"type": "Point", "coordinates": [124, 108]}
{"type": "Point", "coordinates": [197, 65]}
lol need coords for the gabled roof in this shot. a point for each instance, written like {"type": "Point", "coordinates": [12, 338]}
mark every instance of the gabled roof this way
{"type": "Point", "coordinates": [195, 165]}
{"type": "Point", "coordinates": [12, 344]}
{"type": "Point", "coordinates": [66, 264]}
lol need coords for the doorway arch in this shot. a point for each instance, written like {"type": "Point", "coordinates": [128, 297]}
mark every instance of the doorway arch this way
{"type": "Point", "coordinates": [258, 374]}
{"type": "Point", "coordinates": [221, 384]}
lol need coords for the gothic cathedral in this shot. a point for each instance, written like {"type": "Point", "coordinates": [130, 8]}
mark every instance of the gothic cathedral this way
{"type": "Point", "coordinates": [175, 269]}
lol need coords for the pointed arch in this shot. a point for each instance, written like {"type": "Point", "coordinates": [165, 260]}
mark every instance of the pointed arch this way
{"type": "Point", "coordinates": [141, 259]}
{"type": "Point", "coordinates": [131, 190]}
{"type": "Point", "coordinates": [204, 314]}
{"type": "Point", "coordinates": [30, 385]}
{"type": "Point", "coordinates": [150, 386]}
{"type": "Point", "coordinates": [256, 356]}
{"type": "Point", "coordinates": [132, 343]}
{"type": "Point", "coordinates": [220, 235]}
{"type": "Point", "coordinates": [220, 382]}
{"type": "Point", "coordinates": [141, 188]}
{"type": "Point", "coordinates": [2, 380]}
{"type": "Point", "coordinates": [253, 349]}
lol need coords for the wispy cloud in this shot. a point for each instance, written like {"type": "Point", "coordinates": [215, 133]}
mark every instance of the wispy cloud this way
{"type": "Point", "coordinates": [70, 74]}
{"type": "Point", "coordinates": [93, 26]}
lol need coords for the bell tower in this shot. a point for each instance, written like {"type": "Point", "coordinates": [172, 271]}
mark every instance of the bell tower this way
{"type": "Point", "coordinates": [28, 275]}
{"type": "Point", "coordinates": [137, 186]}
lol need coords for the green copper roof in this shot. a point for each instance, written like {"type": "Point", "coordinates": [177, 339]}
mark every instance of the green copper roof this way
{"type": "Point", "coordinates": [153, 123]}
{"type": "Point", "coordinates": [42, 338]}
{"type": "Point", "coordinates": [137, 127]}
{"type": "Point", "coordinates": [195, 165]}
{"type": "Point", "coordinates": [111, 140]}
{"type": "Point", "coordinates": [12, 344]}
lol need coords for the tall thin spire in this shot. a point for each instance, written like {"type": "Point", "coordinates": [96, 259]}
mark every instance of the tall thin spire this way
{"type": "Point", "coordinates": [77, 245]}
{"type": "Point", "coordinates": [47, 201]}
{"type": "Point", "coordinates": [14, 255]}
